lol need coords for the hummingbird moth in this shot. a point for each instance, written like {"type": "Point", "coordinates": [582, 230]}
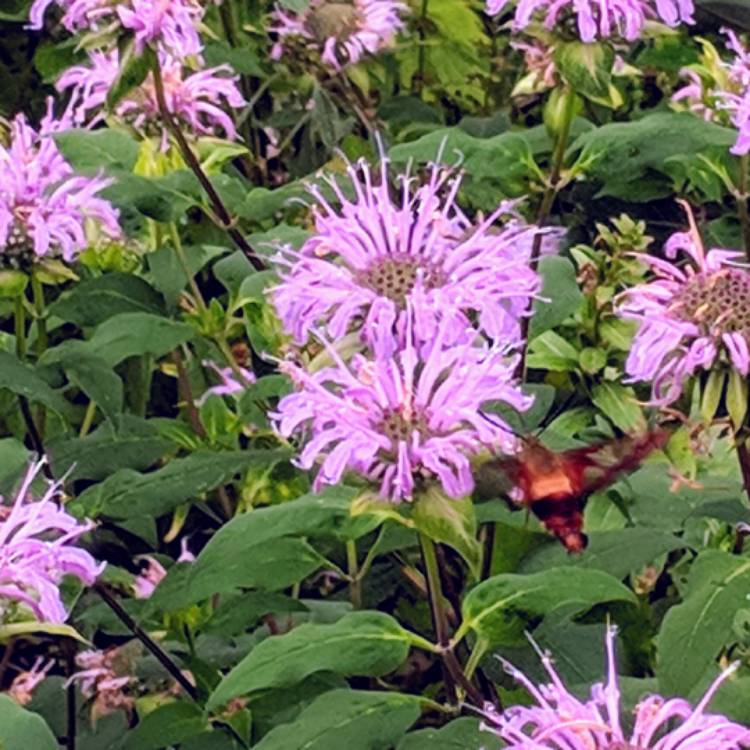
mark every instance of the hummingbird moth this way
{"type": "Point", "coordinates": [554, 486]}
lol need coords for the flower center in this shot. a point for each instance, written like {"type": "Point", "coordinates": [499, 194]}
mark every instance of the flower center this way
{"type": "Point", "coordinates": [339, 20]}
{"type": "Point", "coordinates": [717, 302]}
{"type": "Point", "coordinates": [399, 428]}
{"type": "Point", "coordinates": [394, 276]}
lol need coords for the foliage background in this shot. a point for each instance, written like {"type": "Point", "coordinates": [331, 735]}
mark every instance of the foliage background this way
{"type": "Point", "coordinates": [267, 611]}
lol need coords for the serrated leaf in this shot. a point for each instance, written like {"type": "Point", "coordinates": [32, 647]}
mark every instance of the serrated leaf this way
{"type": "Point", "coordinates": [694, 632]}
{"type": "Point", "coordinates": [93, 301]}
{"type": "Point", "coordinates": [347, 720]}
{"type": "Point", "coordinates": [502, 608]}
{"type": "Point", "coordinates": [22, 379]}
{"type": "Point", "coordinates": [90, 151]}
{"type": "Point", "coordinates": [129, 494]}
{"type": "Point", "coordinates": [272, 565]}
{"type": "Point", "coordinates": [361, 643]}
{"type": "Point", "coordinates": [460, 734]}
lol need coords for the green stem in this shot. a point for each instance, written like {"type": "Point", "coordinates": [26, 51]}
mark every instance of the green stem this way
{"type": "Point", "coordinates": [19, 325]}
{"type": "Point", "coordinates": [225, 218]}
{"type": "Point", "coordinates": [355, 582]}
{"type": "Point", "coordinates": [742, 197]}
{"type": "Point", "coordinates": [182, 258]}
{"type": "Point", "coordinates": [479, 650]}
{"type": "Point", "coordinates": [88, 419]}
{"type": "Point", "coordinates": [422, 36]}
{"type": "Point", "coordinates": [545, 208]}
{"type": "Point", "coordinates": [453, 673]}
{"type": "Point", "coordinates": [41, 318]}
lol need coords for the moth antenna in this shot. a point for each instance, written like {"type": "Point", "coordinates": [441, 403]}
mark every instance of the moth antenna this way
{"type": "Point", "coordinates": [489, 418]}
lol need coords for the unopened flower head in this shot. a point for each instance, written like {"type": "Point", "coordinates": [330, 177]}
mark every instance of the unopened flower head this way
{"type": "Point", "coordinates": [37, 549]}
{"type": "Point", "coordinates": [598, 19]}
{"type": "Point", "coordinates": [169, 25]}
{"type": "Point", "coordinates": [342, 32]}
{"type": "Point", "coordinates": [690, 317]}
{"type": "Point", "coordinates": [398, 421]}
{"type": "Point", "coordinates": [377, 253]}
{"type": "Point", "coordinates": [199, 100]}
{"type": "Point", "coordinates": [560, 721]}
{"type": "Point", "coordinates": [44, 208]}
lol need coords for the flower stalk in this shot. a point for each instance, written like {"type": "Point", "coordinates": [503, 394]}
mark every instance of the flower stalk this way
{"type": "Point", "coordinates": [217, 204]}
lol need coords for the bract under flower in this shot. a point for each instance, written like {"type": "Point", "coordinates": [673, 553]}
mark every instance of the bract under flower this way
{"type": "Point", "coordinates": [376, 254]}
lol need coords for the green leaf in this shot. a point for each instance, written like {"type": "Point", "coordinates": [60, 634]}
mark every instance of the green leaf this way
{"type": "Point", "coordinates": [23, 380]}
{"type": "Point", "coordinates": [128, 494]}
{"type": "Point", "coordinates": [592, 360]}
{"type": "Point", "coordinates": [459, 734]}
{"type": "Point", "coordinates": [97, 380]}
{"type": "Point", "coordinates": [229, 558]}
{"type": "Point", "coordinates": [91, 302]}
{"type": "Point", "coordinates": [134, 334]}
{"type": "Point", "coordinates": [501, 608]}
{"type": "Point", "coordinates": [32, 627]}
{"type": "Point", "coordinates": [361, 643]}
{"type": "Point", "coordinates": [347, 720]}
{"type": "Point", "coordinates": [694, 632]}
{"type": "Point", "coordinates": [14, 458]}
{"type": "Point", "coordinates": [619, 404]}
{"type": "Point", "coordinates": [629, 157]}
{"type": "Point", "coordinates": [131, 444]}
{"type": "Point", "coordinates": [618, 552]}
{"type": "Point", "coordinates": [736, 397]}
{"type": "Point", "coordinates": [560, 294]}
{"type": "Point", "coordinates": [272, 565]}
{"type": "Point", "coordinates": [22, 730]}
{"type": "Point", "coordinates": [167, 725]}
{"type": "Point", "coordinates": [550, 351]}
{"type": "Point", "coordinates": [134, 67]}
{"type": "Point", "coordinates": [450, 522]}
{"type": "Point", "coordinates": [586, 67]}
{"type": "Point", "coordinates": [94, 150]}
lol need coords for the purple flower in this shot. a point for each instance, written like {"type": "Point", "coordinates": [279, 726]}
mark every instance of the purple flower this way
{"type": "Point", "coordinates": [599, 19]}
{"type": "Point", "coordinates": [560, 721]}
{"type": "Point", "coordinates": [689, 317]}
{"type": "Point", "coordinates": [342, 32]}
{"type": "Point", "coordinates": [736, 99]}
{"type": "Point", "coordinates": [382, 251]}
{"type": "Point", "coordinates": [37, 549]}
{"type": "Point", "coordinates": [198, 99]}
{"type": "Point", "coordinates": [232, 382]}
{"type": "Point", "coordinates": [44, 208]}
{"type": "Point", "coordinates": [400, 420]}
{"type": "Point", "coordinates": [170, 25]}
